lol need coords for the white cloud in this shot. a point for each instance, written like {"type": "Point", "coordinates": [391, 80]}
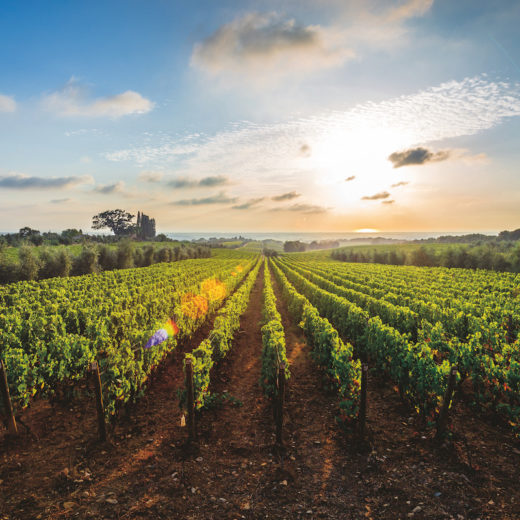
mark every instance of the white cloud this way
{"type": "Point", "coordinates": [73, 101]}
{"type": "Point", "coordinates": [7, 103]}
{"type": "Point", "coordinates": [267, 45]}
{"type": "Point", "coordinates": [263, 48]}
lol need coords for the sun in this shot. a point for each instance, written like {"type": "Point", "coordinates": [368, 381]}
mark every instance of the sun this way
{"type": "Point", "coordinates": [357, 151]}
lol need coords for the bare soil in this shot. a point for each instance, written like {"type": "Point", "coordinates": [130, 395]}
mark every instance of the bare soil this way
{"type": "Point", "coordinates": [147, 470]}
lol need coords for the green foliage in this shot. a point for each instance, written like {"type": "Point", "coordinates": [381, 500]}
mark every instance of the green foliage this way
{"type": "Point", "coordinates": [414, 323]}
{"type": "Point", "coordinates": [125, 254]}
{"type": "Point", "coordinates": [118, 221]}
{"type": "Point", "coordinates": [87, 261]}
{"type": "Point", "coordinates": [51, 330]}
{"type": "Point", "coordinates": [273, 340]}
{"type": "Point", "coordinates": [329, 351]}
{"type": "Point", "coordinates": [29, 263]}
{"type": "Point", "coordinates": [220, 339]}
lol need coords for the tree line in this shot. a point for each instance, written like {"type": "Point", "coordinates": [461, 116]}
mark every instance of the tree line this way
{"type": "Point", "coordinates": [504, 256]}
{"type": "Point", "coordinates": [51, 262]}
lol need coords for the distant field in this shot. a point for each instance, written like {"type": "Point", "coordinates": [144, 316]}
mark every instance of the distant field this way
{"type": "Point", "coordinates": [264, 244]}
{"type": "Point", "coordinates": [232, 243]}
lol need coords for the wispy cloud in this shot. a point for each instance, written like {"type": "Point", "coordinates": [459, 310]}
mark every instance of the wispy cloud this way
{"type": "Point", "coordinates": [303, 208]}
{"type": "Point", "coordinates": [308, 208]}
{"type": "Point", "coordinates": [402, 183]}
{"type": "Point", "coordinates": [251, 152]}
{"type": "Point", "coordinates": [7, 103]}
{"type": "Point", "coordinates": [249, 204]}
{"type": "Point", "coordinates": [151, 176]}
{"type": "Point", "coordinates": [377, 196]}
{"type": "Point", "coordinates": [206, 182]}
{"type": "Point", "coordinates": [351, 178]}
{"type": "Point", "coordinates": [286, 196]}
{"type": "Point", "coordinates": [20, 181]}
{"type": "Point", "coordinates": [61, 201]}
{"type": "Point", "coordinates": [73, 101]}
{"type": "Point", "coordinates": [220, 198]}
{"type": "Point", "coordinates": [108, 189]}
{"type": "Point", "coordinates": [388, 202]}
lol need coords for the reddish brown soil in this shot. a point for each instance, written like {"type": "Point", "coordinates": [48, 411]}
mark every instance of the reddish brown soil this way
{"type": "Point", "coordinates": [147, 470]}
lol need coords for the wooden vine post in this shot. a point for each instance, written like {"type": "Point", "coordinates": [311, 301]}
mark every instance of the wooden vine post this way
{"type": "Point", "coordinates": [102, 427]}
{"type": "Point", "coordinates": [509, 328]}
{"type": "Point", "coordinates": [8, 407]}
{"type": "Point", "coordinates": [363, 401]}
{"type": "Point", "coordinates": [190, 399]}
{"type": "Point", "coordinates": [279, 404]}
{"type": "Point", "coordinates": [443, 416]}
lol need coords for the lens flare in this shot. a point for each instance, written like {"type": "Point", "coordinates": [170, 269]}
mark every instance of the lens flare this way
{"type": "Point", "coordinates": [213, 289]}
{"type": "Point", "coordinates": [194, 306]}
{"type": "Point", "coordinates": [160, 336]}
{"type": "Point", "coordinates": [169, 330]}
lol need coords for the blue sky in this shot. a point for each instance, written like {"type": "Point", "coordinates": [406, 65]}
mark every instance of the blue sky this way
{"type": "Point", "coordinates": [251, 116]}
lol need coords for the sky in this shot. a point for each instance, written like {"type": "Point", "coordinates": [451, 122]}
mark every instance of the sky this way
{"type": "Point", "coordinates": [287, 115]}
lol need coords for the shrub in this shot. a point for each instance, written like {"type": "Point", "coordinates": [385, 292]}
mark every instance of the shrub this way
{"type": "Point", "coordinates": [29, 263]}
{"type": "Point", "coordinates": [87, 261]}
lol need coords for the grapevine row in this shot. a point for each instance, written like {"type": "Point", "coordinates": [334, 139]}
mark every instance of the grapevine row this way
{"type": "Point", "coordinates": [109, 317]}
{"type": "Point", "coordinates": [273, 340]}
{"type": "Point", "coordinates": [220, 339]}
{"type": "Point", "coordinates": [411, 365]}
{"type": "Point", "coordinates": [419, 368]}
{"type": "Point", "coordinates": [328, 349]}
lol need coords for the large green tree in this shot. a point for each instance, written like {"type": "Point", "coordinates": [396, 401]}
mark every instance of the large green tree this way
{"type": "Point", "coordinates": [118, 220]}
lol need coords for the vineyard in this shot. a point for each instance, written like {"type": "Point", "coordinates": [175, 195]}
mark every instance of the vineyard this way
{"type": "Point", "coordinates": [244, 387]}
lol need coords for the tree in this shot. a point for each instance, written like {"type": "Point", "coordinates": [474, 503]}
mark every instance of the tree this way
{"type": "Point", "coordinates": [27, 232]}
{"type": "Point", "coordinates": [118, 220]}
{"type": "Point", "coordinates": [294, 246]}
